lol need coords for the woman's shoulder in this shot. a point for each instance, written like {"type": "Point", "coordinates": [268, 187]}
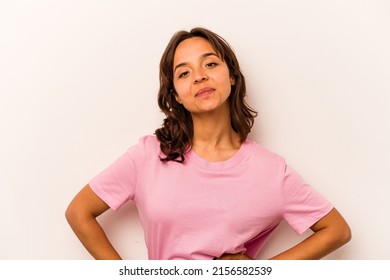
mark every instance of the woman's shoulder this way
{"type": "Point", "coordinates": [260, 152]}
{"type": "Point", "coordinates": [148, 140]}
{"type": "Point", "coordinates": [146, 144]}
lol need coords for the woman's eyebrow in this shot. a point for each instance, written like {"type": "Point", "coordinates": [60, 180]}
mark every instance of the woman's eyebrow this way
{"type": "Point", "coordinates": [202, 56]}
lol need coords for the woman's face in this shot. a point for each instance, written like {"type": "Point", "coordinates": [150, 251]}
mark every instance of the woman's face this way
{"type": "Point", "coordinates": [201, 79]}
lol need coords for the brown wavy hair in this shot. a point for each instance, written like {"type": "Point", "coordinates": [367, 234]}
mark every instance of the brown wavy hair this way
{"type": "Point", "coordinates": [176, 132]}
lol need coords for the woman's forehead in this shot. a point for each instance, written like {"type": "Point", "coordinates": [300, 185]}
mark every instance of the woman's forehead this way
{"type": "Point", "coordinates": [193, 45]}
{"type": "Point", "coordinates": [193, 49]}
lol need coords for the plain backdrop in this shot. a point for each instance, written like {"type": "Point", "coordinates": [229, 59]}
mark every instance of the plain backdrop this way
{"type": "Point", "coordinates": [78, 85]}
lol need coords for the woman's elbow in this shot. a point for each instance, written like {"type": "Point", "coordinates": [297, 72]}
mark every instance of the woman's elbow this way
{"type": "Point", "coordinates": [339, 235]}
{"type": "Point", "coordinates": [76, 214]}
{"type": "Point", "coordinates": [340, 232]}
{"type": "Point", "coordinates": [345, 234]}
{"type": "Point", "coordinates": [71, 214]}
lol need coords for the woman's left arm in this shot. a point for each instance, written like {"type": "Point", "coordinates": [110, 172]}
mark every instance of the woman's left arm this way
{"type": "Point", "coordinates": [330, 233]}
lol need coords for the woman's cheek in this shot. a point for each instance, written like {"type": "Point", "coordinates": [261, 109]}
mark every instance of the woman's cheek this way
{"type": "Point", "coordinates": [183, 90]}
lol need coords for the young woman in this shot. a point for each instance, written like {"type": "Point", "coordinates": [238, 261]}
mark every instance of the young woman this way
{"type": "Point", "coordinates": [202, 189]}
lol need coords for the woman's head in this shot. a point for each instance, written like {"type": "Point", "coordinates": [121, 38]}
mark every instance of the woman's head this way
{"type": "Point", "coordinates": [177, 131]}
{"type": "Point", "coordinates": [220, 46]}
{"type": "Point", "coordinates": [201, 79]}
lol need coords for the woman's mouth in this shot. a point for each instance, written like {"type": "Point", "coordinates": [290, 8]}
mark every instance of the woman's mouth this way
{"type": "Point", "coordinates": [203, 92]}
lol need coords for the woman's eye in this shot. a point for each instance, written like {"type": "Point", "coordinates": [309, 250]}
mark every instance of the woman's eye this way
{"type": "Point", "coordinates": [182, 75]}
{"type": "Point", "coordinates": [211, 64]}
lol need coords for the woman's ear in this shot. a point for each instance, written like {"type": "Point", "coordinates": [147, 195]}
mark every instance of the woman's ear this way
{"type": "Point", "coordinates": [178, 99]}
{"type": "Point", "coordinates": [232, 81]}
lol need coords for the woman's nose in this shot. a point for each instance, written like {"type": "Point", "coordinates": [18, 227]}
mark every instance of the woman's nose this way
{"type": "Point", "coordinates": [200, 76]}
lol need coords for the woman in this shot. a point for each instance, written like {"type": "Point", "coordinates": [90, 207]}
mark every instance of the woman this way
{"type": "Point", "coordinates": [202, 189]}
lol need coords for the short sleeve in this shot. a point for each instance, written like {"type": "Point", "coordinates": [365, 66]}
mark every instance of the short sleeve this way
{"type": "Point", "coordinates": [116, 184]}
{"type": "Point", "coordinates": [303, 206]}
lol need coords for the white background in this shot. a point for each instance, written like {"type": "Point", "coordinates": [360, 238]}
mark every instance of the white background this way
{"type": "Point", "coordinates": [78, 84]}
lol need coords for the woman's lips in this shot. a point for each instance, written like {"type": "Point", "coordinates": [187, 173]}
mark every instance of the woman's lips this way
{"type": "Point", "coordinates": [204, 92]}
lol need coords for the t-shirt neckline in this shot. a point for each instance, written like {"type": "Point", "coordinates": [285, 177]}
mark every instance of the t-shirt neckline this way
{"type": "Point", "coordinates": [237, 158]}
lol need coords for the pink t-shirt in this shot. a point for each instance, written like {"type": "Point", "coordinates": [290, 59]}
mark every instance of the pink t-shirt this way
{"type": "Point", "coordinates": [201, 209]}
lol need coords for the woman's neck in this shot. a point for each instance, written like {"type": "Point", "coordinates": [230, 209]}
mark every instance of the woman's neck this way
{"type": "Point", "coordinates": [214, 138]}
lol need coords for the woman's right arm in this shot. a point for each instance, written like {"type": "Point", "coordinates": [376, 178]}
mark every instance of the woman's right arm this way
{"type": "Point", "coordinates": [81, 215]}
